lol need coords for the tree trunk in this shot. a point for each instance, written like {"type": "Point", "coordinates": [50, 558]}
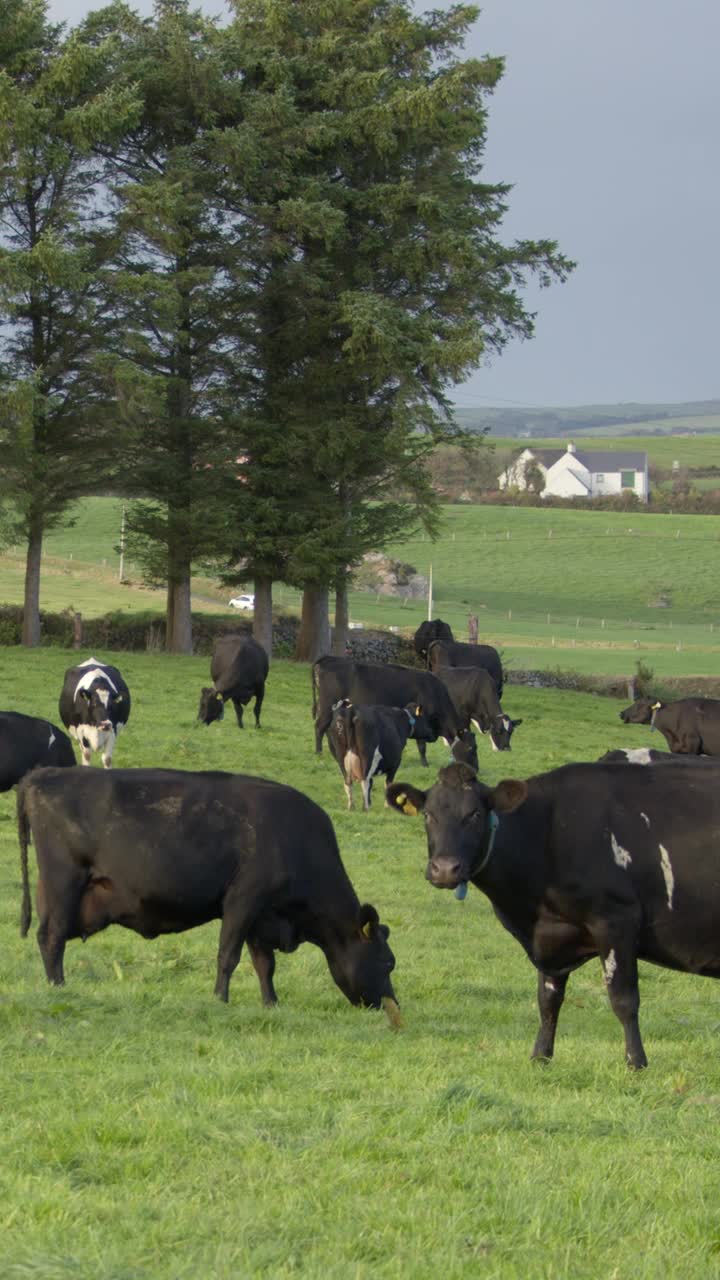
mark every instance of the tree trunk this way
{"type": "Point", "coordinates": [314, 636]}
{"type": "Point", "coordinates": [31, 604]}
{"type": "Point", "coordinates": [262, 619]}
{"type": "Point", "coordinates": [179, 617]}
{"type": "Point", "coordinates": [341, 633]}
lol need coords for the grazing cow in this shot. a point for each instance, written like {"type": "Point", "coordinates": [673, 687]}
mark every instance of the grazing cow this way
{"type": "Point", "coordinates": [27, 743]}
{"type": "Point", "coordinates": [238, 671]}
{"type": "Point", "coordinates": [366, 741]}
{"type": "Point", "coordinates": [390, 685]}
{"type": "Point", "coordinates": [586, 860]}
{"type": "Point", "coordinates": [474, 695]}
{"type": "Point", "coordinates": [646, 755]}
{"type": "Point", "coordinates": [94, 707]}
{"type": "Point", "coordinates": [161, 851]}
{"type": "Point", "coordinates": [457, 654]}
{"type": "Point", "coordinates": [429, 631]}
{"type": "Point", "coordinates": [690, 726]}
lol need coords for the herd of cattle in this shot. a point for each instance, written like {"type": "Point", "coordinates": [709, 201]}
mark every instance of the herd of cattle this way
{"type": "Point", "coordinates": [602, 859]}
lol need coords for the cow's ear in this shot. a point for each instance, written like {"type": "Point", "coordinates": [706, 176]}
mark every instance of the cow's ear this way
{"type": "Point", "coordinates": [404, 798]}
{"type": "Point", "coordinates": [118, 697]}
{"type": "Point", "coordinates": [515, 723]}
{"type": "Point", "coordinates": [368, 920]}
{"type": "Point", "coordinates": [507, 795]}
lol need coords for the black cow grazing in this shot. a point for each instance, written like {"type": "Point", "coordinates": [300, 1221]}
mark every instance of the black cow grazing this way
{"type": "Point", "coordinates": [94, 707]}
{"type": "Point", "coordinates": [474, 695]}
{"type": "Point", "coordinates": [367, 741]}
{"type": "Point", "coordinates": [586, 860]}
{"type": "Point", "coordinates": [690, 726]}
{"type": "Point", "coordinates": [389, 685]}
{"type": "Point", "coordinates": [161, 851]}
{"type": "Point", "coordinates": [429, 631]}
{"type": "Point", "coordinates": [441, 654]}
{"type": "Point", "coordinates": [27, 743]}
{"type": "Point", "coordinates": [238, 670]}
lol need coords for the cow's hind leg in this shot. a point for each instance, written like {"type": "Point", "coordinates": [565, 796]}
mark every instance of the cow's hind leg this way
{"type": "Point", "coordinates": [58, 922]}
{"type": "Point", "coordinates": [422, 752]}
{"type": "Point", "coordinates": [259, 695]}
{"type": "Point", "coordinates": [264, 962]}
{"type": "Point", "coordinates": [551, 993]}
{"type": "Point", "coordinates": [322, 724]}
{"type": "Point", "coordinates": [236, 921]}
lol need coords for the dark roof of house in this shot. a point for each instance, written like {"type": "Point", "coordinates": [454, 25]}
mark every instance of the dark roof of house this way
{"type": "Point", "coordinates": [595, 459]}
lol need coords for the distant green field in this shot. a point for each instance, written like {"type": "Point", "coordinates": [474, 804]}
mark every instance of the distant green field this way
{"type": "Point", "coordinates": [583, 590]}
{"type": "Point", "coordinates": [690, 451]}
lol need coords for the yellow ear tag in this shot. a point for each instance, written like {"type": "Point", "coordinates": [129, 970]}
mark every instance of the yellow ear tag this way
{"type": "Point", "coordinates": [656, 706]}
{"type": "Point", "coordinates": [367, 928]}
{"type": "Point", "coordinates": [409, 808]}
{"type": "Point", "coordinates": [418, 711]}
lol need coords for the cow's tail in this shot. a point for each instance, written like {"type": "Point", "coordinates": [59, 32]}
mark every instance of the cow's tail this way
{"type": "Point", "coordinates": [24, 838]}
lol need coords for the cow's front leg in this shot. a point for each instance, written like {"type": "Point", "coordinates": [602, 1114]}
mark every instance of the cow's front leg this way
{"type": "Point", "coordinates": [422, 752]}
{"type": "Point", "coordinates": [85, 749]}
{"type": "Point", "coordinates": [107, 752]}
{"type": "Point", "coordinates": [238, 711]}
{"type": "Point", "coordinates": [259, 695]}
{"type": "Point", "coordinates": [551, 993]}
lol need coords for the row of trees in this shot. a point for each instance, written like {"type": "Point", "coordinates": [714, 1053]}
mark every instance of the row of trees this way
{"type": "Point", "coordinates": [241, 266]}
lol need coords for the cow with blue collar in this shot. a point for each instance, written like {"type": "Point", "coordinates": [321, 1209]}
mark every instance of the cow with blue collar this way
{"type": "Point", "coordinates": [94, 707]}
{"type": "Point", "coordinates": [370, 740]}
{"type": "Point", "coordinates": [605, 861]}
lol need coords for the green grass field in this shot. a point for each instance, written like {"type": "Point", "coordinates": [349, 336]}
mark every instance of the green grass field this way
{"type": "Point", "coordinates": [588, 591]}
{"type": "Point", "coordinates": [699, 450]}
{"type": "Point", "coordinates": [150, 1133]}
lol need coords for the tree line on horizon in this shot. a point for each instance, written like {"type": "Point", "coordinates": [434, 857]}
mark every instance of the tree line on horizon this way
{"type": "Point", "coordinates": [242, 264]}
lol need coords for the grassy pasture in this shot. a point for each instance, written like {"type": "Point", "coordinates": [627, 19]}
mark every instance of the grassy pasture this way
{"type": "Point", "coordinates": [590, 591]}
{"type": "Point", "coordinates": [698, 450]}
{"type": "Point", "coordinates": [150, 1133]}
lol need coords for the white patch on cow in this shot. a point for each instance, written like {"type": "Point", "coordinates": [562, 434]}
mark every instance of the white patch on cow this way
{"type": "Point", "coordinates": [549, 985]}
{"type": "Point", "coordinates": [107, 754]}
{"type": "Point", "coordinates": [103, 695]}
{"type": "Point", "coordinates": [348, 793]}
{"type": "Point", "coordinates": [51, 739]}
{"type": "Point", "coordinates": [352, 766]}
{"type": "Point", "coordinates": [667, 874]}
{"type": "Point", "coordinates": [609, 967]}
{"type": "Point", "coordinates": [506, 723]}
{"type": "Point", "coordinates": [97, 674]}
{"type": "Point", "coordinates": [95, 737]}
{"type": "Point", "coordinates": [448, 743]}
{"type": "Point", "coordinates": [621, 856]}
{"type": "Point", "coordinates": [493, 743]}
{"type": "Point", "coordinates": [73, 731]}
{"type": "Point", "coordinates": [375, 763]}
{"type": "Point", "coordinates": [638, 755]}
{"type": "Point", "coordinates": [645, 818]}
{"type": "Point", "coordinates": [478, 726]}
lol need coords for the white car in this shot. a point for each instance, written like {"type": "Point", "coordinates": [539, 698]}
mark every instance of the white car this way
{"type": "Point", "coordinates": [242, 602]}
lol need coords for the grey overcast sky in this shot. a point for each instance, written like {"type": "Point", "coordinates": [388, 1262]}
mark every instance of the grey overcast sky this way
{"type": "Point", "coordinates": [607, 123]}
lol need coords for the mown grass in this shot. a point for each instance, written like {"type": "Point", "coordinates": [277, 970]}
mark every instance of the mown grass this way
{"type": "Point", "coordinates": [150, 1133]}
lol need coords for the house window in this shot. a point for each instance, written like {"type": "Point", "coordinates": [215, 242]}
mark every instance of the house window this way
{"type": "Point", "coordinates": [627, 479]}
{"type": "Point", "coordinates": [599, 477]}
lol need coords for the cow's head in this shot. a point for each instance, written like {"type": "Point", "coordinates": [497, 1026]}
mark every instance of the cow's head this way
{"type": "Point", "coordinates": [434, 629]}
{"type": "Point", "coordinates": [641, 712]}
{"type": "Point", "coordinates": [420, 727]}
{"type": "Point", "coordinates": [101, 706]}
{"type": "Point", "coordinates": [501, 731]}
{"type": "Point", "coordinates": [460, 819]}
{"type": "Point", "coordinates": [212, 706]}
{"type": "Point", "coordinates": [463, 749]}
{"type": "Point", "coordinates": [361, 964]}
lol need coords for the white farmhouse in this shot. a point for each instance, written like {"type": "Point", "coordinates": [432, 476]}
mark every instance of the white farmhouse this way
{"type": "Point", "coordinates": [579, 473]}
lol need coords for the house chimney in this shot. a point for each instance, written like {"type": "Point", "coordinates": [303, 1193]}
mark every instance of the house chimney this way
{"type": "Point", "coordinates": [571, 446]}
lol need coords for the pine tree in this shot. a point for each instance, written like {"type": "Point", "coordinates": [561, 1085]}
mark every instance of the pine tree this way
{"type": "Point", "coordinates": [53, 244]}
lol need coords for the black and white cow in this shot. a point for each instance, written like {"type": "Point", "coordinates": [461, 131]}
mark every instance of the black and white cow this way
{"type": "Point", "coordinates": [690, 726]}
{"type": "Point", "coordinates": [646, 755]}
{"type": "Point", "coordinates": [474, 696]}
{"type": "Point", "coordinates": [389, 685]}
{"type": "Point", "coordinates": [367, 741]}
{"type": "Point", "coordinates": [457, 654]}
{"type": "Point", "coordinates": [94, 707]}
{"type": "Point", "coordinates": [26, 743]}
{"type": "Point", "coordinates": [161, 851]}
{"type": "Point", "coordinates": [587, 860]}
{"type": "Point", "coordinates": [238, 671]}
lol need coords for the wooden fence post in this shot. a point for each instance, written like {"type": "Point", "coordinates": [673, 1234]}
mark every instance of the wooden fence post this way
{"type": "Point", "coordinates": [472, 628]}
{"type": "Point", "coordinates": [77, 631]}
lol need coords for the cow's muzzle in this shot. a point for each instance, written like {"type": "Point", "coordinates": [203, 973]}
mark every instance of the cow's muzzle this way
{"type": "Point", "coordinates": [445, 871]}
